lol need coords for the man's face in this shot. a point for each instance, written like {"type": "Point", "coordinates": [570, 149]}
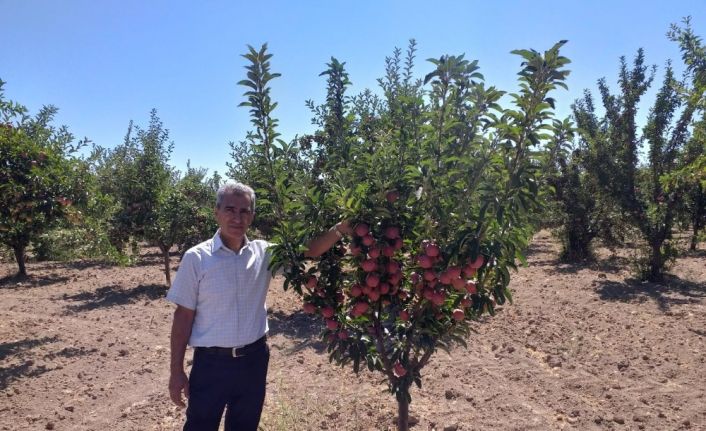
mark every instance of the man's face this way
{"type": "Point", "coordinates": [234, 215]}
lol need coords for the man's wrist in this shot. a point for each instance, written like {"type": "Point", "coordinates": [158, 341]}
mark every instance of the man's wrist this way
{"type": "Point", "coordinates": [335, 229]}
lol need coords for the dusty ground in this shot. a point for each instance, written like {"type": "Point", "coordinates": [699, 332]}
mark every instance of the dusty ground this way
{"type": "Point", "coordinates": [85, 347]}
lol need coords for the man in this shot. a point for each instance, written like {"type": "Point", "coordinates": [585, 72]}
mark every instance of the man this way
{"type": "Point", "coordinates": [220, 292]}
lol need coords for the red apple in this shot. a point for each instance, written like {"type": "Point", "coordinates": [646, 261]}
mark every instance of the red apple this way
{"type": "Point", "coordinates": [327, 312]}
{"type": "Point", "coordinates": [424, 261]}
{"type": "Point", "coordinates": [399, 370]}
{"type": "Point", "coordinates": [454, 272]}
{"type": "Point", "coordinates": [469, 271]}
{"type": "Point", "coordinates": [471, 287]}
{"type": "Point", "coordinates": [361, 229]}
{"type": "Point", "coordinates": [374, 295]}
{"type": "Point", "coordinates": [369, 265]}
{"type": "Point", "coordinates": [309, 308]}
{"type": "Point", "coordinates": [392, 232]}
{"type": "Point", "coordinates": [360, 308]}
{"type": "Point", "coordinates": [459, 284]}
{"type": "Point", "coordinates": [404, 315]}
{"type": "Point", "coordinates": [392, 196]}
{"type": "Point", "coordinates": [392, 267]}
{"type": "Point", "coordinates": [459, 315]}
{"type": "Point", "coordinates": [428, 294]}
{"type": "Point", "coordinates": [438, 299]}
{"type": "Point", "coordinates": [432, 250]}
{"type": "Point", "coordinates": [480, 260]}
{"type": "Point", "coordinates": [398, 244]}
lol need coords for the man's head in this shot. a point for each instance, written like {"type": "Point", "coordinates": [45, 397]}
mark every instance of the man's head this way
{"type": "Point", "coordinates": [233, 187]}
{"type": "Point", "coordinates": [235, 210]}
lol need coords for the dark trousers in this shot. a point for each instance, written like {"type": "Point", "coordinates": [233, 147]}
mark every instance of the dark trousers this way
{"type": "Point", "coordinates": [218, 381]}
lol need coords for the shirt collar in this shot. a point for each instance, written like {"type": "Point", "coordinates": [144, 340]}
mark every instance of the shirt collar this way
{"type": "Point", "coordinates": [218, 243]}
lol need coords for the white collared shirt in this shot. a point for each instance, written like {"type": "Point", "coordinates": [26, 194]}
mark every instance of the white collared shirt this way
{"type": "Point", "coordinates": [227, 289]}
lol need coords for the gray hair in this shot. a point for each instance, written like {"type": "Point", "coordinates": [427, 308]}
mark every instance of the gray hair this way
{"type": "Point", "coordinates": [236, 188]}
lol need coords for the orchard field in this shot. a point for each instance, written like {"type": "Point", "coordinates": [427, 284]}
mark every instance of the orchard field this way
{"type": "Point", "coordinates": [442, 285]}
{"type": "Point", "coordinates": [85, 347]}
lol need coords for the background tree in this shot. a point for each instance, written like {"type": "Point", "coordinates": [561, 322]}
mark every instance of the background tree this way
{"type": "Point", "coordinates": [690, 178]}
{"type": "Point", "coordinates": [613, 144]}
{"type": "Point", "coordinates": [183, 216]}
{"type": "Point", "coordinates": [135, 174]}
{"type": "Point", "coordinates": [37, 183]}
{"type": "Point", "coordinates": [576, 208]}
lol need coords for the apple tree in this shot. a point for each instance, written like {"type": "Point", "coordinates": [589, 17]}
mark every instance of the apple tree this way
{"type": "Point", "coordinates": [440, 185]}
{"type": "Point", "coordinates": [183, 215]}
{"type": "Point", "coordinates": [613, 142]}
{"type": "Point", "coordinates": [38, 185]}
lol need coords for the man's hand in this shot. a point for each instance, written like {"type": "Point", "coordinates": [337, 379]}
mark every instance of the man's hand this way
{"type": "Point", "coordinates": [321, 244]}
{"type": "Point", "coordinates": [345, 228]}
{"type": "Point", "coordinates": [178, 382]}
{"type": "Point", "coordinates": [181, 331]}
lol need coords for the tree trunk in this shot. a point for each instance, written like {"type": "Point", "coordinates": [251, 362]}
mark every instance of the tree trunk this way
{"type": "Point", "coordinates": [165, 256]}
{"type": "Point", "coordinates": [20, 258]}
{"type": "Point", "coordinates": [696, 225]}
{"type": "Point", "coordinates": [577, 246]}
{"type": "Point", "coordinates": [692, 245]}
{"type": "Point", "coordinates": [403, 414]}
{"type": "Point", "coordinates": [656, 263]}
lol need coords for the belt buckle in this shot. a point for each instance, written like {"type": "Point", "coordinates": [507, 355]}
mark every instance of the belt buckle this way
{"type": "Point", "coordinates": [234, 353]}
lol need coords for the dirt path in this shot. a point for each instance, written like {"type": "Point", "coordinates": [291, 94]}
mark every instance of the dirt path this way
{"type": "Point", "coordinates": [85, 347]}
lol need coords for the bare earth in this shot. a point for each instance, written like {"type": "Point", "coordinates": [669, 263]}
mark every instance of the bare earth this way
{"type": "Point", "coordinates": [86, 347]}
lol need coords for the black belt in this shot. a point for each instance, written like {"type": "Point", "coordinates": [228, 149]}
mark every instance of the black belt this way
{"type": "Point", "coordinates": [235, 352]}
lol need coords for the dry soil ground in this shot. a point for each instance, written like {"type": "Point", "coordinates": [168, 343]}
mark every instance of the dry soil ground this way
{"type": "Point", "coordinates": [84, 346]}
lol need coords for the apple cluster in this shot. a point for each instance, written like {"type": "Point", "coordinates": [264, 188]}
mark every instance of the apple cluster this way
{"type": "Point", "coordinates": [379, 274]}
{"type": "Point", "coordinates": [435, 281]}
{"type": "Point", "coordinates": [378, 280]}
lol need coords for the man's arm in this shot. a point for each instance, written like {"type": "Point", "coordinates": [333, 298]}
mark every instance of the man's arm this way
{"type": "Point", "coordinates": [181, 331]}
{"type": "Point", "coordinates": [322, 243]}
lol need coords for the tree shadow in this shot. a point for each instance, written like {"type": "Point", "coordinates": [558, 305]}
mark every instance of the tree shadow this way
{"type": "Point", "coordinates": [613, 264]}
{"type": "Point", "coordinates": [110, 296]}
{"type": "Point", "coordinates": [539, 247]}
{"type": "Point", "coordinates": [672, 292]}
{"type": "Point", "coordinates": [26, 368]}
{"type": "Point", "coordinates": [70, 352]}
{"type": "Point", "coordinates": [20, 371]}
{"type": "Point", "coordinates": [12, 282]}
{"type": "Point", "coordinates": [71, 264]}
{"type": "Point", "coordinates": [17, 347]}
{"type": "Point", "coordinates": [299, 327]}
{"type": "Point", "coordinates": [695, 253]}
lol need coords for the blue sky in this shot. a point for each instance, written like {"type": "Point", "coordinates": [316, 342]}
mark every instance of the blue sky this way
{"type": "Point", "coordinates": [103, 63]}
